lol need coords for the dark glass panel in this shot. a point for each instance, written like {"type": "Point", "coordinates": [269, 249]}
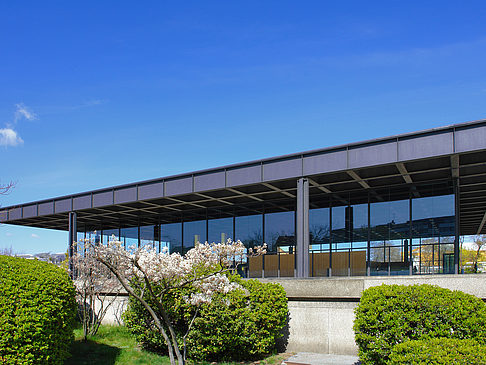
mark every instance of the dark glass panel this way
{"type": "Point", "coordinates": [319, 231]}
{"type": "Point", "coordinates": [171, 234]}
{"type": "Point", "coordinates": [219, 230]}
{"type": "Point", "coordinates": [389, 232]}
{"type": "Point", "coordinates": [149, 235]}
{"type": "Point", "coordinates": [360, 225]}
{"type": "Point", "coordinates": [129, 237]}
{"type": "Point", "coordinates": [358, 215]}
{"type": "Point", "coordinates": [433, 229]}
{"type": "Point", "coordinates": [280, 239]}
{"type": "Point", "coordinates": [249, 230]}
{"type": "Point", "coordinates": [319, 227]}
{"type": "Point", "coordinates": [109, 234]}
{"type": "Point", "coordinates": [280, 231]}
{"type": "Point", "coordinates": [339, 227]}
{"type": "Point", "coordinates": [341, 241]}
{"type": "Point", "coordinates": [194, 232]}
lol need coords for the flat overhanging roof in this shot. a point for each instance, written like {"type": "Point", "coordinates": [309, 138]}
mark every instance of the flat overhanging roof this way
{"type": "Point", "coordinates": [435, 157]}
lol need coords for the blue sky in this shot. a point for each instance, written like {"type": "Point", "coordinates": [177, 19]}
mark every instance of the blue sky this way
{"type": "Point", "coordinates": [94, 94]}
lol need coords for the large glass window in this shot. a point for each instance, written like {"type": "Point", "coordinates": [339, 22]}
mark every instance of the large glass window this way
{"type": "Point", "coordinates": [389, 235]}
{"type": "Point", "coordinates": [109, 234]}
{"type": "Point", "coordinates": [171, 237]}
{"type": "Point", "coordinates": [280, 239]}
{"type": "Point", "coordinates": [349, 239]}
{"type": "Point", "coordinates": [129, 237]}
{"type": "Point", "coordinates": [358, 228]}
{"type": "Point", "coordinates": [149, 235]}
{"type": "Point", "coordinates": [249, 230]}
{"type": "Point", "coordinates": [340, 241]}
{"type": "Point", "coordinates": [319, 232]}
{"type": "Point", "coordinates": [279, 230]}
{"type": "Point", "coordinates": [219, 230]}
{"type": "Point", "coordinates": [194, 232]}
{"type": "Point", "coordinates": [433, 232]}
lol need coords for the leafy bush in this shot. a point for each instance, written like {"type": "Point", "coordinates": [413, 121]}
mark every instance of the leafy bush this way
{"type": "Point", "coordinates": [438, 351]}
{"type": "Point", "coordinates": [37, 311]}
{"type": "Point", "coordinates": [240, 325]}
{"type": "Point", "coordinates": [391, 314]}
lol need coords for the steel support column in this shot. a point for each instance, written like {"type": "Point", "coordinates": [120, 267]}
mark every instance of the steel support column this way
{"type": "Point", "coordinates": [302, 229]}
{"type": "Point", "coordinates": [72, 238]}
{"type": "Point", "coordinates": [457, 226]}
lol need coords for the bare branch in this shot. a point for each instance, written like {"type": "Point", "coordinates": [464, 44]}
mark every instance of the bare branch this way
{"type": "Point", "coordinates": [5, 189]}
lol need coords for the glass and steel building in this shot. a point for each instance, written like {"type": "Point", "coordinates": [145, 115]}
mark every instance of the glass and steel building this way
{"type": "Point", "coordinates": [389, 206]}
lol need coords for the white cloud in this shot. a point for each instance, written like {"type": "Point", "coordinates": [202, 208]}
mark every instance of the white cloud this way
{"type": "Point", "coordinates": [23, 112]}
{"type": "Point", "coordinates": [33, 235]}
{"type": "Point", "coordinates": [9, 137]}
{"type": "Point", "coordinates": [8, 234]}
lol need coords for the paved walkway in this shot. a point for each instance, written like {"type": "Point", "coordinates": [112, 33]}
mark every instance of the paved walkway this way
{"type": "Point", "coordinates": [311, 358]}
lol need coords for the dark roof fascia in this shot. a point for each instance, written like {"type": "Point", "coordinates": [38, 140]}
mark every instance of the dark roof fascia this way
{"type": "Point", "coordinates": [397, 137]}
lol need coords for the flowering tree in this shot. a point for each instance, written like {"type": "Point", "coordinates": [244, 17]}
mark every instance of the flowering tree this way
{"type": "Point", "coordinates": [148, 276]}
{"type": "Point", "coordinates": [96, 288]}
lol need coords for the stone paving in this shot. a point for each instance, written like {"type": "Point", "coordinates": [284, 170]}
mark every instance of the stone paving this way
{"type": "Point", "coordinates": [310, 358]}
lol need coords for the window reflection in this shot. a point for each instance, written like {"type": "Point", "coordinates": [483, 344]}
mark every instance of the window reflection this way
{"type": "Point", "coordinates": [249, 230]}
{"type": "Point", "coordinates": [194, 232]}
{"type": "Point", "coordinates": [319, 232]}
{"type": "Point", "coordinates": [149, 235]}
{"type": "Point", "coordinates": [171, 237]}
{"type": "Point", "coordinates": [129, 237]}
{"type": "Point", "coordinates": [219, 230]}
{"type": "Point", "coordinates": [389, 235]}
{"type": "Point", "coordinates": [108, 234]}
{"type": "Point", "coordinates": [340, 241]}
{"type": "Point", "coordinates": [433, 230]}
{"type": "Point", "coordinates": [280, 240]}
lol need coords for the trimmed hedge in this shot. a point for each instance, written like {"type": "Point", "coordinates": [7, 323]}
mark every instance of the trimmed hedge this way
{"type": "Point", "coordinates": [37, 311]}
{"type": "Point", "coordinates": [391, 314]}
{"type": "Point", "coordinates": [241, 325]}
{"type": "Point", "coordinates": [438, 351]}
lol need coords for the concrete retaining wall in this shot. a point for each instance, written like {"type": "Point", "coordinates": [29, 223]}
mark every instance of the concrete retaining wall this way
{"type": "Point", "coordinates": [321, 311]}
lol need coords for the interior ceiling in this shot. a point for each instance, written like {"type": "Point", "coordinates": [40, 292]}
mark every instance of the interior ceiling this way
{"type": "Point", "coordinates": [389, 182]}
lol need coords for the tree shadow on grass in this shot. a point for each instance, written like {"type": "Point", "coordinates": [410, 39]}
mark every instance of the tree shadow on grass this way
{"type": "Point", "coordinates": [90, 352]}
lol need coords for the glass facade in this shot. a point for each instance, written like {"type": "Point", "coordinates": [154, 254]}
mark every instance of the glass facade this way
{"type": "Point", "coordinates": [387, 232]}
{"type": "Point", "coordinates": [393, 233]}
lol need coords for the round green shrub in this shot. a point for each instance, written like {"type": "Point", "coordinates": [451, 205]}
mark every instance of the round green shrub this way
{"type": "Point", "coordinates": [241, 325]}
{"type": "Point", "coordinates": [438, 351]}
{"type": "Point", "coordinates": [391, 314]}
{"type": "Point", "coordinates": [37, 311]}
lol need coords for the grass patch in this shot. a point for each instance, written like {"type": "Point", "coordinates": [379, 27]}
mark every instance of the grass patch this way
{"type": "Point", "coordinates": [114, 345]}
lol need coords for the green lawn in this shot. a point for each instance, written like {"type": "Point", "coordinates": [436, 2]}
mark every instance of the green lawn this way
{"type": "Point", "coordinates": [115, 345]}
{"type": "Point", "coordinates": [112, 345]}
